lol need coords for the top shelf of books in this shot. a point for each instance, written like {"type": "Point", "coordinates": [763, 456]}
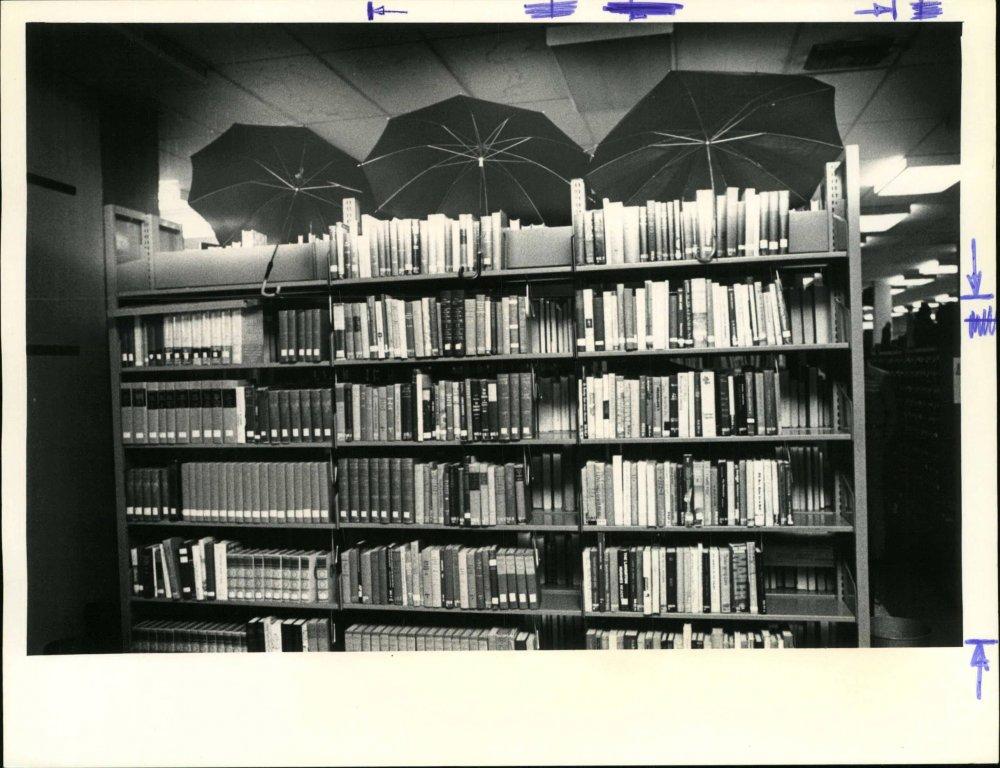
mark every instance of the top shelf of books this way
{"type": "Point", "coordinates": [745, 230]}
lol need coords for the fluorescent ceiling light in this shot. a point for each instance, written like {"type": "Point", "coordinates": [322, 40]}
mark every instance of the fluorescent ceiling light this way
{"type": "Point", "coordinates": [882, 171]}
{"type": "Point", "coordinates": [933, 304]}
{"type": "Point", "coordinates": [898, 311]}
{"type": "Point", "coordinates": [867, 325]}
{"type": "Point", "coordinates": [920, 180]}
{"type": "Point", "coordinates": [880, 222]}
{"type": "Point", "coordinates": [916, 304]}
{"type": "Point", "coordinates": [945, 298]}
{"type": "Point", "coordinates": [934, 267]}
{"type": "Point", "coordinates": [898, 281]}
{"type": "Point", "coordinates": [896, 291]}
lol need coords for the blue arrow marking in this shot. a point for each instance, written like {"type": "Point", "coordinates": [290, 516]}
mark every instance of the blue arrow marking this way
{"type": "Point", "coordinates": [975, 278]}
{"type": "Point", "coordinates": [980, 662]}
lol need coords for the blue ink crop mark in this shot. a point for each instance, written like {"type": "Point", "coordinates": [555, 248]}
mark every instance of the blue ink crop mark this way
{"type": "Point", "coordinates": [925, 9]}
{"type": "Point", "coordinates": [877, 10]}
{"type": "Point", "coordinates": [975, 278]}
{"type": "Point", "coordinates": [553, 9]}
{"type": "Point", "coordinates": [642, 10]}
{"type": "Point", "coordinates": [981, 324]}
{"type": "Point", "coordinates": [980, 662]}
{"type": "Point", "coordinates": [378, 10]}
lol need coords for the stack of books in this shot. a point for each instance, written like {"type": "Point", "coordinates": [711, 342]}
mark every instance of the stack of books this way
{"type": "Point", "coordinates": [660, 580]}
{"type": "Point", "coordinates": [453, 324]}
{"type": "Point", "coordinates": [704, 403]}
{"type": "Point", "coordinates": [440, 576]}
{"type": "Point", "coordinates": [435, 245]}
{"type": "Point", "coordinates": [256, 492]}
{"type": "Point", "coordinates": [750, 223]}
{"type": "Point", "coordinates": [688, 637]}
{"type": "Point", "coordinates": [208, 569]}
{"type": "Point", "coordinates": [651, 493]}
{"type": "Point", "coordinates": [383, 637]}
{"type": "Point", "coordinates": [212, 337]}
{"type": "Point", "coordinates": [259, 634]}
{"type": "Point", "coordinates": [698, 314]}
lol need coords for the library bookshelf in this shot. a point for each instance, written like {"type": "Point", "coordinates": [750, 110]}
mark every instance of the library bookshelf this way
{"type": "Point", "coordinates": [840, 529]}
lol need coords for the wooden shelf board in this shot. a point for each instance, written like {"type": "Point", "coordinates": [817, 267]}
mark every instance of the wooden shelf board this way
{"type": "Point", "coordinates": [298, 287]}
{"type": "Point", "coordinates": [143, 369]}
{"type": "Point", "coordinates": [798, 529]}
{"type": "Point", "coordinates": [228, 446]}
{"type": "Point", "coordinates": [782, 608]}
{"type": "Point", "coordinates": [799, 436]}
{"type": "Point", "coordinates": [552, 602]}
{"type": "Point", "coordinates": [561, 439]}
{"type": "Point", "coordinates": [525, 528]}
{"type": "Point", "coordinates": [379, 284]}
{"type": "Point", "coordinates": [653, 266]}
{"type": "Point", "coordinates": [294, 526]}
{"type": "Point", "coordinates": [696, 351]}
{"type": "Point", "coordinates": [258, 604]}
{"type": "Point", "coordinates": [463, 360]}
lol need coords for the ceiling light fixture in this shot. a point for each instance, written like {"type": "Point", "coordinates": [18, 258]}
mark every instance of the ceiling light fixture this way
{"type": "Point", "coordinates": [934, 267]}
{"type": "Point", "coordinates": [917, 176]}
{"type": "Point", "coordinates": [880, 222]}
{"type": "Point", "coordinates": [900, 281]}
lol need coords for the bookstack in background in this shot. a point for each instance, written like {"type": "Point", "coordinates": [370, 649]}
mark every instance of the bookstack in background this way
{"type": "Point", "coordinates": [384, 637]}
{"type": "Point", "coordinates": [211, 569]}
{"type": "Point", "coordinates": [452, 324]}
{"type": "Point", "coordinates": [688, 637]}
{"type": "Point", "coordinates": [508, 407]}
{"type": "Point", "coordinates": [705, 403]}
{"type": "Point", "coordinates": [259, 634]}
{"type": "Point", "coordinates": [662, 580]}
{"type": "Point", "coordinates": [737, 223]}
{"type": "Point", "coordinates": [440, 576]}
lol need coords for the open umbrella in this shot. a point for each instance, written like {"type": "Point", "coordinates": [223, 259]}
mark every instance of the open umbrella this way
{"type": "Point", "coordinates": [282, 181]}
{"type": "Point", "coordinates": [466, 155]}
{"type": "Point", "coordinates": [712, 130]}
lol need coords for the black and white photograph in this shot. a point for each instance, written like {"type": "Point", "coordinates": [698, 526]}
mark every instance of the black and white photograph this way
{"type": "Point", "coordinates": [397, 335]}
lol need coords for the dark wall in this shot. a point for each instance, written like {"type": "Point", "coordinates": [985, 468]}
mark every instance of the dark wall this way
{"type": "Point", "coordinates": [83, 149]}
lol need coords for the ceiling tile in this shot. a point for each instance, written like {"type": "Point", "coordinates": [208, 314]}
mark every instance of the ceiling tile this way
{"type": "Point", "coordinates": [615, 74]}
{"type": "Point", "coordinates": [934, 43]}
{"type": "Point", "coordinates": [218, 103]}
{"type": "Point", "coordinates": [878, 141]}
{"type": "Point", "coordinates": [302, 87]}
{"type": "Point", "coordinates": [602, 121]}
{"type": "Point", "coordinates": [733, 47]}
{"type": "Point", "coordinates": [230, 43]}
{"type": "Point", "coordinates": [399, 78]}
{"type": "Point", "coordinates": [509, 67]}
{"type": "Point", "coordinates": [563, 113]}
{"type": "Point", "coordinates": [355, 137]}
{"type": "Point", "coordinates": [946, 139]}
{"type": "Point", "coordinates": [920, 91]}
{"type": "Point", "coordinates": [853, 90]}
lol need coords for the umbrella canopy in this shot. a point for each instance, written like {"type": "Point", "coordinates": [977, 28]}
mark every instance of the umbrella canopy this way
{"type": "Point", "coordinates": [282, 181]}
{"type": "Point", "coordinates": [465, 155]}
{"type": "Point", "coordinates": [701, 130]}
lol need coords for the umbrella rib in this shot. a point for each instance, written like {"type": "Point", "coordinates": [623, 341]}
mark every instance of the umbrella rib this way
{"type": "Point", "coordinates": [782, 135]}
{"type": "Point", "coordinates": [283, 181]}
{"type": "Point", "coordinates": [453, 183]}
{"type": "Point", "coordinates": [475, 127]}
{"type": "Point", "coordinates": [694, 104]}
{"type": "Point", "coordinates": [761, 168]}
{"type": "Point", "coordinates": [398, 151]}
{"type": "Point", "coordinates": [452, 151]}
{"type": "Point", "coordinates": [751, 104]}
{"type": "Point", "coordinates": [441, 164]}
{"type": "Point", "coordinates": [277, 154]}
{"type": "Point", "coordinates": [523, 190]}
{"type": "Point", "coordinates": [532, 162]}
{"type": "Point", "coordinates": [320, 170]}
{"type": "Point", "coordinates": [250, 218]}
{"type": "Point", "coordinates": [495, 133]}
{"type": "Point", "coordinates": [496, 152]}
{"type": "Point", "coordinates": [331, 185]}
{"type": "Point", "coordinates": [688, 139]}
{"type": "Point", "coordinates": [733, 122]}
{"type": "Point", "coordinates": [233, 186]}
{"type": "Point", "coordinates": [661, 169]}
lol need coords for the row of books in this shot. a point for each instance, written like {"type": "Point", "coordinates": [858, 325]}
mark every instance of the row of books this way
{"type": "Point", "coordinates": [435, 245]}
{"type": "Point", "coordinates": [386, 637]}
{"type": "Point", "coordinates": [256, 492]}
{"type": "Point", "coordinates": [440, 576]}
{"type": "Point", "coordinates": [688, 637]}
{"type": "Point", "coordinates": [510, 406]}
{"type": "Point", "coordinates": [210, 569]}
{"type": "Point", "coordinates": [303, 335]}
{"type": "Point", "coordinates": [753, 224]}
{"type": "Point", "coordinates": [152, 493]}
{"type": "Point", "coordinates": [704, 403]}
{"type": "Point", "coordinates": [701, 314]}
{"type": "Point", "coordinates": [211, 337]}
{"type": "Point", "coordinates": [454, 324]}
{"type": "Point", "coordinates": [800, 578]}
{"type": "Point", "coordinates": [259, 634]}
{"type": "Point", "coordinates": [223, 412]}
{"type": "Point", "coordinates": [659, 580]}
{"type": "Point", "coordinates": [459, 493]}
{"type": "Point", "coordinates": [650, 493]}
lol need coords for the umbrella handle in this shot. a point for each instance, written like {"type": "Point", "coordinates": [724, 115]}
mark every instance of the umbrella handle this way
{"type": "Point", "coordinates": [267, 274]}
{"type": "Point", "coordinates": [711, 254]}
{"type": "Point", "coordinates": [479, 268]}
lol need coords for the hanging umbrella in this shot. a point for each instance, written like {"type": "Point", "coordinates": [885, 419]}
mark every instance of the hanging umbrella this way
{"type": "Point", "coordinates": [282, 181]}
{"type": "Point", "coordinates": [712, 130]}
{"type": "Point", "coordinates": [465, 155]}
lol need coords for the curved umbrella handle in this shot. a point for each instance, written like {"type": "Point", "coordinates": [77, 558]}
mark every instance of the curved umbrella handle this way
{"type": "Point", "coordinates": [711, 254]}
{"type": "Point", "coordinates": [267, 273]}
{"type": "Point", "coordinates": [479, 268]}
